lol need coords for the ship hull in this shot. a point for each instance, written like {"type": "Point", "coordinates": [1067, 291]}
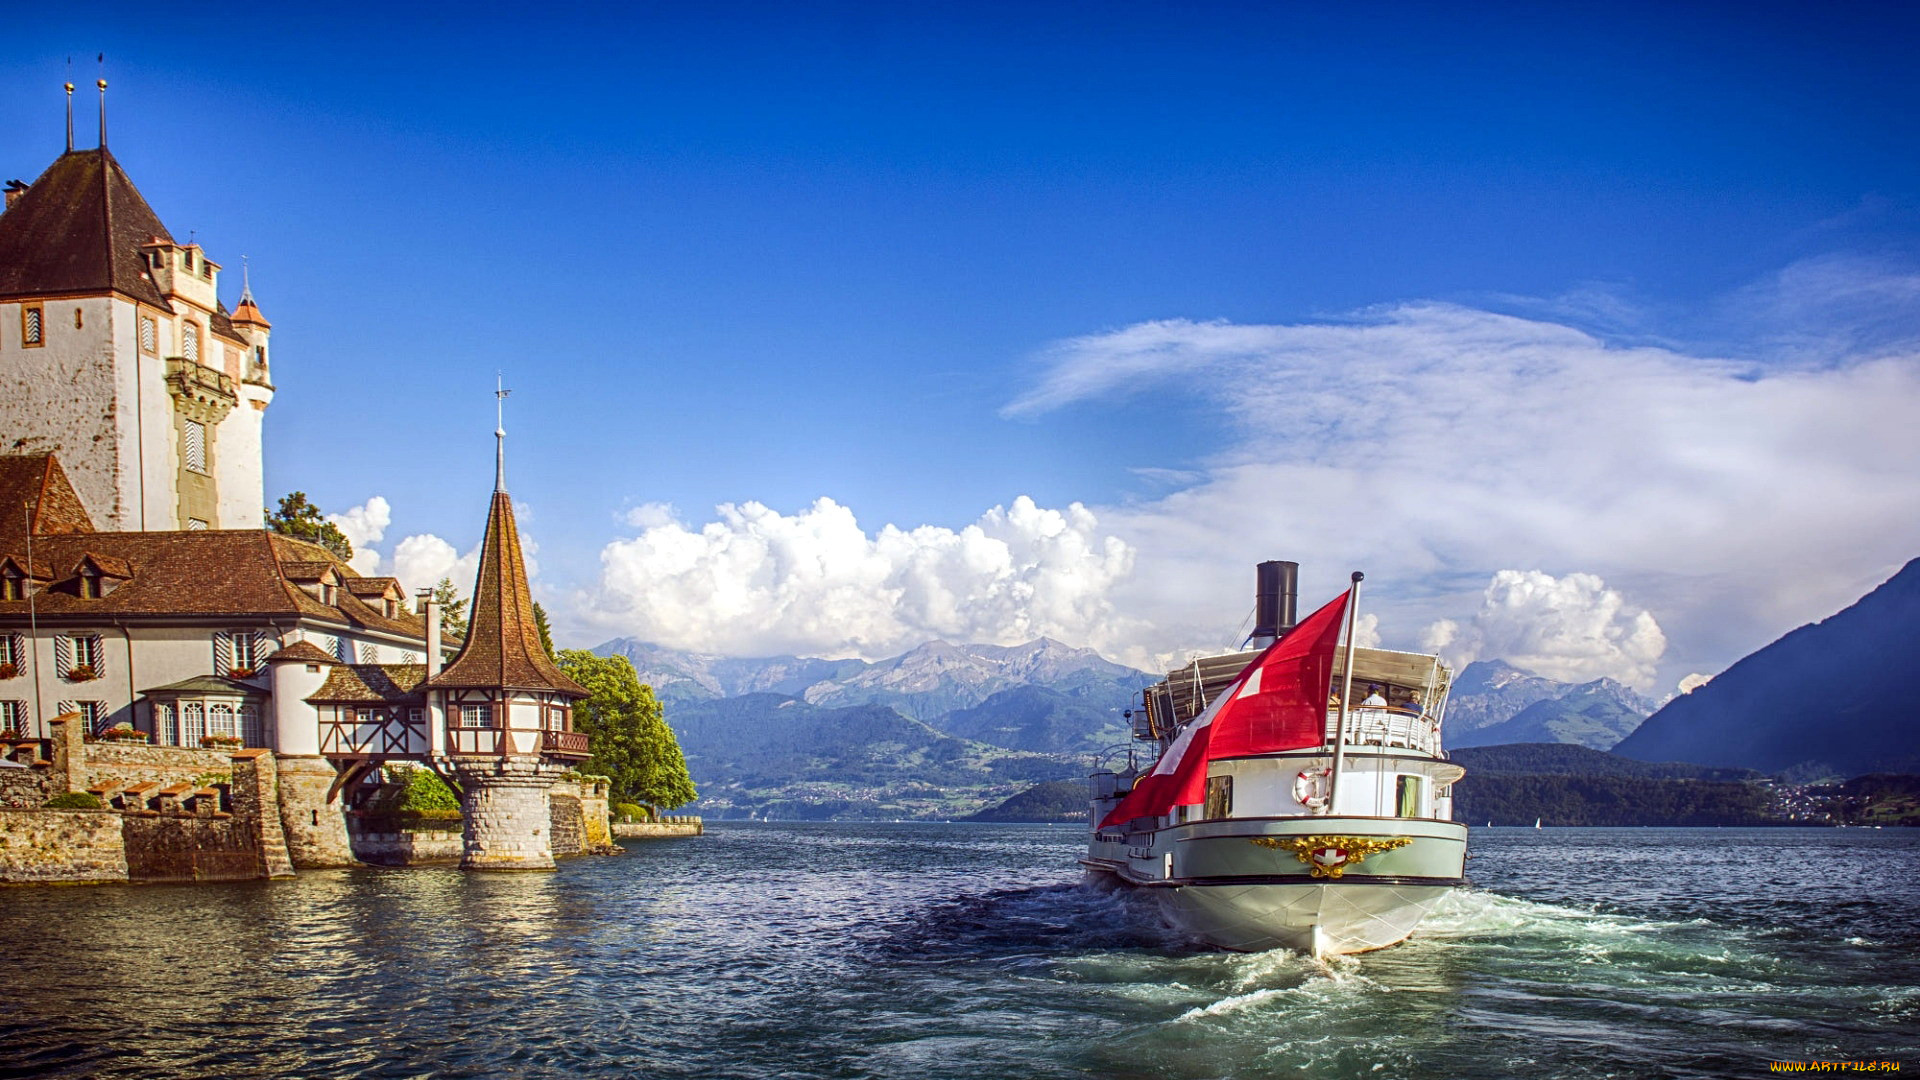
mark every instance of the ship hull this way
{"type": "Point", "coordinates": [1238, 886]}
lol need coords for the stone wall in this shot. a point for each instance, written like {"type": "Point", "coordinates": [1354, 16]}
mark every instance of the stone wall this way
{"type": "Point", "coordinates": [120, 764]}
{"type": "Point", "coordinates": [658, 830]}
{"type": "Point", "coordinates": [61, 846]}
{"type": "Point", "coordinates": [568, 824]}
{"type": "Point", "coordinates": [22, 789]}
{"type": "Point", "coordinates": [408, 848]}
{"type": "Point", "coordinates": [316, 829]}
{"type": "Point", "coordinates": [188, 847]}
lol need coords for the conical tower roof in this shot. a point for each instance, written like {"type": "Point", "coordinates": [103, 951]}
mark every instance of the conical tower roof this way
{"type": "Point", "coordinates": [503, 650]}
{"type": "Point", "coordinates": [79, 229]}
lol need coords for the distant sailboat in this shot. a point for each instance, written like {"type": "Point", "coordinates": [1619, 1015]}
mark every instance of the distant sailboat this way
{"type": "Point", "coordinates": [1536, 823]}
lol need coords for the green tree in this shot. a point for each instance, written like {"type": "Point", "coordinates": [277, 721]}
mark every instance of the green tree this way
{"type": "Point", "coordinates": [546, 629]}
{"type": "Point", "coordinates": [453, 607]}
{"type": "Point", "coordinates": [632, 744]}
{"type": "Point", "coordinates": [302, 520]}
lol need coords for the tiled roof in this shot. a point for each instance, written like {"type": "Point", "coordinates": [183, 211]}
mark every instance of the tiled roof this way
{"type": "Point", "coordinates": [38, 481]}
{"type": "Point", "coordinates": [106, 564]}
{"type": "Point", "coordinates": [249, 312]}
{"type": "Point", "coordinates": [222, 324]}
{"type": "Point", "coordinates": [503, 647]}
{"type": "Point", "coordinates": [78, 229]}
{"type": "Point", "coordinates": [209, 684]}
{"type": "Point", "coordinates": [305, 571]}
{"type": "Point", "coordinates": [374, 586]}
{"type": "Point", "coordinates": [303, 650]}
{"type": "Point", "coordinates": [380, 684]}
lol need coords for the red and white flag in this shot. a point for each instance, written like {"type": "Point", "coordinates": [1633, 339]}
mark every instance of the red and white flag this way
{"type": "Point", "coordinates": [1278, 703]}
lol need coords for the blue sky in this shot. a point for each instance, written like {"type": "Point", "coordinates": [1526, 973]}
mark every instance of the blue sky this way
{"type": "Point", "coordinates": [741, 254]}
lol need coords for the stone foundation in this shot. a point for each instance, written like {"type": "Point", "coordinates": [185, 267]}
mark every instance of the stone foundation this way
{"type": "Point", "coordinates": [658, 830]}
{"type": "Point", "coordinates": [61, 846]}
{"type": "Point", "coordinates": [409, 848]}
{"type": "Point", "coordinates": [509, 824]}
{"type": "Point", "coordinates": [316, 830]}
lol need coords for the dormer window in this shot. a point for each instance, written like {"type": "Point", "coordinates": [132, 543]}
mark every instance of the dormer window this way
{"type": "Point", "coordinates": [90, 583]}
{"type": "Point", "coordinates": [13, 584]}
{"type": "Point", "coordinates": [329, 593]}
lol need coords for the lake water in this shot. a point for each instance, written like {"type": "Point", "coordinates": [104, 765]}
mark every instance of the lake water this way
{"type": "Point", "coordinates": [967, 951]}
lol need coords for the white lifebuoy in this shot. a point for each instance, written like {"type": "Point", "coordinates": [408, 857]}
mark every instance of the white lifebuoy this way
{"type": "Point", "coordinates": [1310, 789]}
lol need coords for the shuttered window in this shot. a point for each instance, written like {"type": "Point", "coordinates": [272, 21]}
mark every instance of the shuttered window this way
{"type": "Point", "coordinates": [190, 341]}
{"type": "Point", "coordinates": [149, 334]}
{"type": "Point", "coordinates": [32, 326]}
{"type": "Point", "coordinates": [193, 445]}
{"type": "Point", "coordinates": [13, 716]}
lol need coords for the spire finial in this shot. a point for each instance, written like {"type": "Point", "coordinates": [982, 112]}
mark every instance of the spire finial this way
{"type": "Point", "coordinates": [102, 84]}
{"type": "Point", "coordinates": [500, 393]}
{"type": "Point", "coordinates": [69, 104]}
{"type": "Point", "coordinates": [246, 282]}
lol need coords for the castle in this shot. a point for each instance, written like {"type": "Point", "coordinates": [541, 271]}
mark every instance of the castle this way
{"type": "Point", "coordinates": [154, 634]}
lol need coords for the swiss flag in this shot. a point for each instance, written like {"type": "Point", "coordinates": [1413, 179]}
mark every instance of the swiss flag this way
{"type": "Point", "coordinates": [1278, 703]}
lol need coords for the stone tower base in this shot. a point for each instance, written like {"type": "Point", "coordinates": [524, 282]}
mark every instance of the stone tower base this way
{"type": "Point", "coordinates": [508, 823]}
{"type": "Point", "coordinates": [316, 829]}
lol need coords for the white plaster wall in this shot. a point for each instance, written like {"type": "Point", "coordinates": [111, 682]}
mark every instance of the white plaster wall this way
{"type": "Point", "coordinates": [62, 397]}
{"type": "Point", "coordinates": [296, 724]}
{"type": "Point", "coordinates": [239, 463]}
{"type": "Point", "coordinates": [148, 447]}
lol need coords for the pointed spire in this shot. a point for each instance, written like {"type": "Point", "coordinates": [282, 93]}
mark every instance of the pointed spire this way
{"type": "Point", "coordinates": [500, 393]}
{"type": "Point", "coordinates": [246, 281]}
{"type": "Point", "coordinates": [69, 104]}
{"type": "Point", "coordinates": [502, 650]}
{"type": "Point", "coordinates": [103, 113]}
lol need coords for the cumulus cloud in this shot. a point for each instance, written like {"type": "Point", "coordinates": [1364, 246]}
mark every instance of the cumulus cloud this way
{"type": "Point", "coordinates": [1434, 444]}
{"type": "Point", "coordinates": [756, 581]}
{"type": "Point", "coordinates": [363, 526]}
{"type": "Point", "coordinates": [1571, 628]}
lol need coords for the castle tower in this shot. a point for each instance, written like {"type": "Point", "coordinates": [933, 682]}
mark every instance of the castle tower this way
{"type": "Point", "coordinates": [509, 710]}
{"type": "Point", "coordinates": [117, 354]}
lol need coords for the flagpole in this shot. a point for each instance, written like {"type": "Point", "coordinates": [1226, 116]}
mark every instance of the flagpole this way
{"type": "Point", "coordinates": [1346, 694]}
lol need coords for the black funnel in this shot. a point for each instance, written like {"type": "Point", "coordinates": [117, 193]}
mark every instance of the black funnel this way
{"type": "Point", "coordinates": [1276, 603]}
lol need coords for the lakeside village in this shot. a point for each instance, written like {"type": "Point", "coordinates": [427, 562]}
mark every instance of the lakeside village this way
{"type": "Point", "coordinates": [189, 695]}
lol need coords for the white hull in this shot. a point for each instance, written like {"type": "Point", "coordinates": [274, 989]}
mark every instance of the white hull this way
{"type": "Point", "coordinates": [1318, 920]}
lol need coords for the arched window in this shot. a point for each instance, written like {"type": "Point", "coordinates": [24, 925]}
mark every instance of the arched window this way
{"type": "Point", "coordinates": [193, 723]}
{"type": "Point", "coordinates": [190, 340]}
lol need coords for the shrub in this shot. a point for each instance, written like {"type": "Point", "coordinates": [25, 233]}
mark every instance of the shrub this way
{"type": "Point", "coordinates": [81, 673]}
{"type": "Point", "coordinates": [9, 671]}
{"type": "Point", "coordinates": [123, 732]}
{"type": "Point", "coordinates": [627, 812]}
{"type": "Point", "coordinates": [74, 800]}
{"type": "Point", "coordinates": [219, 742]}
{"type": "Point", "coordinates": [425, 791]}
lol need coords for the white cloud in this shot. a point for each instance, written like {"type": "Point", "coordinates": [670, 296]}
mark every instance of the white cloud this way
{"type": "Point", "coordinates": [756, 581]}
{"type": "Point", "coordinates": [1572, 628]}
{"type": "Point", "coordinates": [1694, 681]}
{"type": "Point", "coordinates": [363, 526]}
{"type": "Point", "coordinates": [650, 515]}
{"type": "Point", "coordinates": [1432, 445]}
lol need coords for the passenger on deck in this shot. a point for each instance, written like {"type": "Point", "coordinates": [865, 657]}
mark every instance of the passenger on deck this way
{"type": "Point", "coordinates": [1373, 697]}
{"type": "Point", "coordinates": [1413, 704]}
{"type": "Point", "coordinates": [1333, 700]}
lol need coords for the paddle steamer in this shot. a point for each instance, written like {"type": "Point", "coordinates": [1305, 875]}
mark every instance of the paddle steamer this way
{"type": "Point", "coordinates": [1300, 797]}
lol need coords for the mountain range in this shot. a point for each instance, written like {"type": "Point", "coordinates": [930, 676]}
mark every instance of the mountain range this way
{"type": "Point", "coordinates": [1830, 698]}
{"type": "Point", "coordinates": [1493, 703]}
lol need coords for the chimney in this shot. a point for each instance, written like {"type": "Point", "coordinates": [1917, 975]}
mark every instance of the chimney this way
{"type": "Point", "coordinates": [430, 611]}
{"type": "Point", "coordinates": [1276, 599]}
{"type": "Point", "coordinates": [15, 189]}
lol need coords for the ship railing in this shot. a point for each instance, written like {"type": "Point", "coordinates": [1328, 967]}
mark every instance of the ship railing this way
{"type": "Point", "coordinates": [1378, 726]}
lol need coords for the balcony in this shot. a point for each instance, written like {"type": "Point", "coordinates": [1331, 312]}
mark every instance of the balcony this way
{"type": "Point", "coordinates": [565, 744]}
{"type": "Point", "coordinates": [1374, 726]}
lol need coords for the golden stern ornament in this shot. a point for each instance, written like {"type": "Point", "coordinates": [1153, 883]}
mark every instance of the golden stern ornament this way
{"type": "Point", "coordinates": [1329, 856]}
